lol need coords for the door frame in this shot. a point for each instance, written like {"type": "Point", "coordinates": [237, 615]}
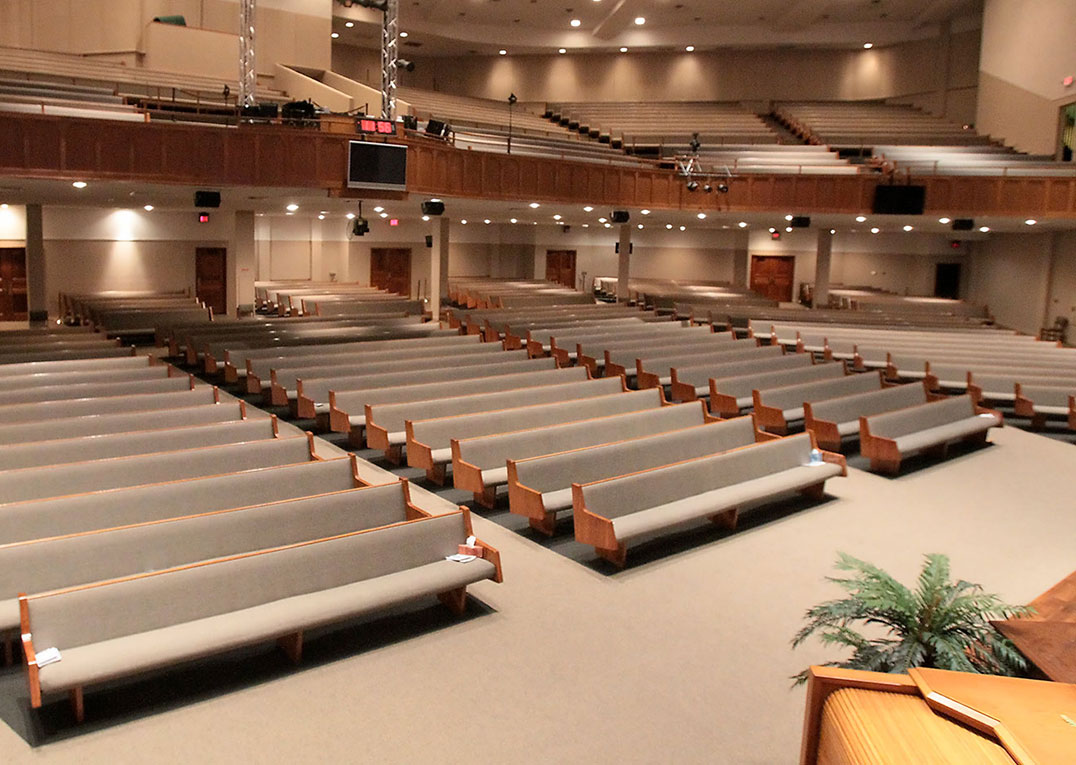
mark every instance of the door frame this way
{"type": "Point", "coordinates": [224, 281]}
{"type": "Point", "coordinates": [755, 257]}
{"type": "Point", "coordinates": [410, 258]}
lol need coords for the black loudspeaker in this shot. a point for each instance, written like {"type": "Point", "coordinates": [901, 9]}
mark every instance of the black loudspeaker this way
{"type": "Point", "coordinates": [429, 240]}
{"type": "Point", "coordinates": [620, 216]}
{"type": "Point", "coordinates": [963, 224]}
{"type": "Point", "coordinates": [433, 207]}
{"type": "Point", "coordinates": [437, 128]}
{"type": "Point", "coordinates": [899, 200]}
{"type": "Point", "coordinates": [207, 199]}
{"type": "Point", "coordinates": [261, 112]}
{"type": "Point", "coordinates": [410, 122]}
{"type": "Point", "coordinates": [298, 111]}
{"type": "Point", "coordinates": [800, 221]}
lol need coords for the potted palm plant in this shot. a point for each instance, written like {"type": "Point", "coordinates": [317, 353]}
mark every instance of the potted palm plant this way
{"type": "Point", "coordinates": [941, 624]}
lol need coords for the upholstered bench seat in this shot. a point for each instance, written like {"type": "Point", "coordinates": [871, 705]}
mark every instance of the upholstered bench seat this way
{"type": "Point", "coordinates": [631, 527]}
{"type": "Point", "coordinates": [128, 655]}
{"type": "Point", "coordinates": [949, 431]}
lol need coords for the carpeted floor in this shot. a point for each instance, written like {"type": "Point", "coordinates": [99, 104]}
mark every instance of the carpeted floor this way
{"type": "Point", "coordinates": [682, 657]}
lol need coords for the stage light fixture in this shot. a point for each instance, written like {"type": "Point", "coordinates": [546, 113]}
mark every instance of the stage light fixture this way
{"type": "Point", "coordinates": [692, 185]}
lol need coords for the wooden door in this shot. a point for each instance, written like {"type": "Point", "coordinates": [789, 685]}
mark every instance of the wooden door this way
{"type": "Point", "coordinates": [13, 305]}
{"type": "Point", "coordinates": [211, 278]}
{"type": "Point", "coordinates": [772, 276]}
{"type": "Point", "coordinates": [390, 269]}
{"type": "Point", "coordinates": [560, 267]}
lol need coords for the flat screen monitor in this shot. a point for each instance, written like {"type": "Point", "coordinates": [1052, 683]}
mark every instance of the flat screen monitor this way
{"type": "Point", "coordinates": [899, 200]}
{"type": "Point", "coordinates": [377, 166]}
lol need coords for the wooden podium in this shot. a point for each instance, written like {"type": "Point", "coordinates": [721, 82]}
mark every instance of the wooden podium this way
{"type": "Point", "coordinates": [936, 716]}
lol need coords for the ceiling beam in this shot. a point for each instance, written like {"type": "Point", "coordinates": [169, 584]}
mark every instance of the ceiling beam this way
{"type": "Point", "coordinates": [620, 19]}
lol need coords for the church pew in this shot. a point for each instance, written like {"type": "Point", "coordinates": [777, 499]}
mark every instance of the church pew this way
{"type": "Point", "coordinates": [114, 629]}
{"type": "Point", "coordinates": [731, 395]}
{"type": "Point", "coordinates": [40, 393]}
{"type": "Point", "coordinates": [613, 513]}
{"type": "Point", "coordinates": [690, 379]}
{"type": "Point", "coordinates": [1037, 402]}
{"type": "Point", "coordinates": [776, 408]}
{"type": "Point", "coordinates": [97, 475]}
{"type": "Point", "coordinates": [993, 386]}
{"type": "Point", "coordinates": [29, 454]}
{"type": "Point", "coordinates": [343, 402]}
{"type": "Point", "coordinates": [386, 424]}
{"type": "Point", "coordinates": [151, 371]}
{"type": "Point", "coordinates": [125, 361]}
{"type": "Point", "coordinates": [888, 438]}
{"type": "Point", "coordinates": [540, 487]}
{"type": "Point", "coordinates": [241, 363]}
{"type": "Point", "coordinates": [479, 464]}
{"type": "Point", "coordinates": [836, 418]}
{"type": "Point", "coordinates": [320, 380]}
{"type": "Point", "coordinates": [103, 424]}
{"type": "Point", "coordinates": [68, 353]}
{"type": "Point", "coordinates": [593, 353]}
{"type": "Point", "coordinates": [53, 563]}
{"type": "Point", "coordinates": [143, 402]}
{"type": "Point", "coordinates": [650, 372]}
{"type": "Point", "coordinates": [429, 442]}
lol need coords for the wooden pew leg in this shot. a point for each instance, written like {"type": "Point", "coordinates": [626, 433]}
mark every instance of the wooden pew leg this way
{"type": "Point", "coordinates": [545, 525]}
{"type": "Point", "coordinates": [454, 600]}
{"type": "Point", "coordinates": [487, 498]}
{"type": "Point", "coordinates": [292, 645]}
{"type": "Point", "coordinates": [879, 465]}
{"type": "Point", "coordinates": [617, 557]}
{"type": "Point", "coordinates": [726, 519]}
{"type": "Point", "coordinates": [815, 491]}
{"type": "Point", "coordinates": [436, 474]}
{"type": "Point", "coordinates": [356, 438]}
{"type": "Point", "coordinates": [394, 454]}
{"type": "Point", "coordinates": [77, 705]}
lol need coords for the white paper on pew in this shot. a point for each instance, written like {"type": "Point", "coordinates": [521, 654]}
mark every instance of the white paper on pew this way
{"type": "Point", "coordinates": [472, 540]}
{"type": "Point", "coordinates": [460, 558]}
{"type": "Point", "coordinates": [48, 656]}
{"type": "Point", "coordinates": [986, 414]}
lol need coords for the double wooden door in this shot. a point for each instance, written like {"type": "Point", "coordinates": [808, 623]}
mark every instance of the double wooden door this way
{"type": "Point", "coordinates": [211, 278]}
{"type": "Point", "coordinates": [13, 299]}
{"type": "Point", "coordinates": [390, 269]}
{"type": "Point", "coordinates": [560, 267]}
{"type": "Point", "coordinates": [772, 276]}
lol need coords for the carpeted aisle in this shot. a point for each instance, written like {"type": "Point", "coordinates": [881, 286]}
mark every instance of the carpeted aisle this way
{"type": "Point", "coordinates": [683, 657]}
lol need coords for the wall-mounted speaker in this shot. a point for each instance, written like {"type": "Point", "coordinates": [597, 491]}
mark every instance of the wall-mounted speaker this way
{"type": "Point", "coordinates": [433, 207]}
{"type": "Point", "coordinates": [429, 240]}
{"type": "Point", "coordinates": [207, 199]}
{"type": "Point", "coordinates": [963, 224]}
{"type": "Point", "coordinates": [620, 216]}
{"type": "Point", "coordinates": [800, 221]}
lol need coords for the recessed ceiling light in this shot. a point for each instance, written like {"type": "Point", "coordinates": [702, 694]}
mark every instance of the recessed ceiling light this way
{"type": "Point", "coordinates": [147, 208]}
{"type": "Point", "coordinates": [861, 218]}
{"type": "Point", "coordinates": [562, 50]}
{"type": "Point", "coordinates": [683, 228]}
{"type": "Point", "coordinates": [403, 34]}
{"type": "Point", "coordinates": [321, 216]}
{"type": "Point", "coordinates": [608, 225]}
{"type": "Point", "coordinates": [640, 20]}
{"type": "Point", "coordinates": [984, 229]}
{"type": "Point", "coordinates": [350, 24]}
{"type": "Point", "coordinates": [668, 226]}
{"type": "Point", "coordinates": [514, 220]}
{"type": "Point", "coordinates": [640, 225]}
{"type": "Point", "coordinates": [586, 225]}
{"type": "Point", "coordinates": [487, 221]}
{"type": "Point", "coordinates": [575, 22]}
{"type": "Point", "coordinates": [702, 216]}
{"type": "Point", "coordinates": [1029, 221]}
{"type": "Point", "coordinates": [788, 217]}
{"type": "Point", "coordinates": [868, 46]}
{"type": "Point", "coordinates": [588, 208]}
{"type": "Point", "coordinates": [334, 35]}
{"type": "Point", "coordinates": [742, 224]}
{"type": "Point", "coordinates": [832, 231]}
{"type": "Point", "coordinates": [645, 212]}
{"type": "Point", "coordinates": [944, 221]}
{"type": "Point", "coordinates": [535, 205]}
{"type": "Point", "coordinates": [602, 220]}
{"type": "Point", "coordinates": [350, 216]}
{"type": "Point", "coordinates": [623, 50]}
{"type": "Point", "coordinates": [426, 218]}
{"type": "Point", "coordinates": [875, 230]}
{"type": "Point", "coordinates": [463, 222]}
{"type": "Point", "coordinates": [384, 215]}
{"type": "Point", "coordinates": [503, 52]}
{"type": "Point", "coordinates": [690, 49]}
{"type": "Point", "coordinates": [379, 208]}
{"type": "Point", "coordinates": [292, 207]}
{"type": "Point", "coordinates": [909, 228]}
{"type": "Point", "coordinates": [3, 206]}
{"type": "Point", "coordinates": [557, 216]}
{"type": "Point", "coordinates": [79, 184]}
{"type": "Point", "coordinates": [773, 230]}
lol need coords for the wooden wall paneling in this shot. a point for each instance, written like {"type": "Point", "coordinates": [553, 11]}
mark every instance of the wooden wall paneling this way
{"type": "Point", "coordinates": [1060, 195]}
{"type": "Point", "coordinates": [939, 194]}
{"type": "Point", "coordinates": [472, 172]}
{"type": "Point", "coordinates": [147, 152]}
{"type": "Point", "coordinates": [45, 145]}
{"type": "Point", "coordinates": [242, 158]}
{"type": "Point", "coordinates": [82, 153]}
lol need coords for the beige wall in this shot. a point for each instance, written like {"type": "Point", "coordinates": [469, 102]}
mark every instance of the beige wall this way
{"type": "Point", "coordinates": [725, 75]}
{"type": "Point", "coordinates": [1027, 50]}
{"type": "Point", "coordinates": [187, 50]}
{"type": "Point", "coordinates": [1010, 276]}
{"type": "Point", "coordinates": [288, 31]}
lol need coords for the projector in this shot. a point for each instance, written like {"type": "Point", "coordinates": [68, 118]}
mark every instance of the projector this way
{"type": "Point", "coordinates": [360, 226]}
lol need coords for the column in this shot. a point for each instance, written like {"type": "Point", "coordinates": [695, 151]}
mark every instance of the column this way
{"type": "Point", "coordinates": [241, 265]}
{"type": "Point", "coordinates": [623, 269]}
{"type": "Point", "coordinates": [438, 281]}
{"type": "Point", "coordinates": [35, 266]}
{"type": "Point", "coordinates": [740, 258]}
{"type": "Point", "coordinates": [821, 269]}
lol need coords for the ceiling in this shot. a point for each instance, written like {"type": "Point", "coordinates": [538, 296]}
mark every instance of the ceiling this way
{"type": "Point", "coordinates": [311, 203]}
{"type": "Point", "coordinates": [483, 27]}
